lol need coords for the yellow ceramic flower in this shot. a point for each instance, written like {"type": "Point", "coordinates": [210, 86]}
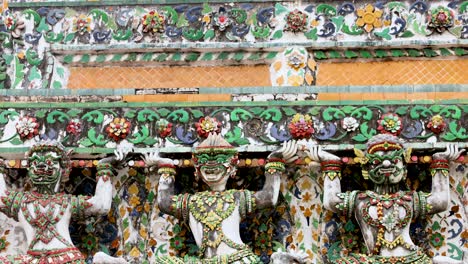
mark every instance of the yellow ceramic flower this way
{"type": "Point", "coordinates": [314, 23]}
{"type": "Point", "coordinates": [206, 19]}
{"type": "Point", "coordinates": [369, 18]}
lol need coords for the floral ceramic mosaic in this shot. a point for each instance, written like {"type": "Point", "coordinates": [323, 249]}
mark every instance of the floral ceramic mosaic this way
{"type": "Point", "coordinates": [259, 125]}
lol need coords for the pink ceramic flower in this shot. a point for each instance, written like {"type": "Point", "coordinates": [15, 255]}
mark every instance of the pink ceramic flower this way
{"type": "Point", "coordinates": [74, 127]}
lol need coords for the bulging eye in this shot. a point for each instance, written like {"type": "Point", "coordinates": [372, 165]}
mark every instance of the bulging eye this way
{"type": "Point", "coordinates": [49, 162]}
{"type": "Point", "coordinates": [34, 163]}
{"type": "Point", "coordinates": [396, 160]}
{"type": "Point", "coordinates": [376, 162]}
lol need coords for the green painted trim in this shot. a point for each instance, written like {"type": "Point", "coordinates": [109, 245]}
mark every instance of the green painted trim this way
{"type": "Point", "coordinates": [265, 56]}
{"type": "Point", "coordinates": [123, 2]}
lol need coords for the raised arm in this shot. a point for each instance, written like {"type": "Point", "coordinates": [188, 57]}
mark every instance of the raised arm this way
{"type": "Point", "coordinates": [101, 202]}
{"type": "Point", "coordinates": [331, 169]}
{"type": "Point", "coordinates": [268, 196]}
{"type": "Point", "coordinates": [439, 198]}
{"type": "Point", "coordinates": [166, 173]}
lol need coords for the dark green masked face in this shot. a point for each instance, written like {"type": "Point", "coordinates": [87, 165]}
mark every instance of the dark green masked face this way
{"type": "Point", "coordinates": [386, 167]}
{"type": "Point", "coordinates": [44, 170]}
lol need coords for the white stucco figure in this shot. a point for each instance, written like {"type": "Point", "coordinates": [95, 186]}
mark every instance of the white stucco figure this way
{"type": "Point", "coordinates": [44, 213]}
{"type": "Point", "coordinates": [384, 214]}
{"type": "Point", "coordinates": [214, 216]}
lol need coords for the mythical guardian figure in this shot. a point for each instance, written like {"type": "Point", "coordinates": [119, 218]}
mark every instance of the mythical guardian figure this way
{"type": "Point", "coordinates": [44, 213]}
{"type": "Point", "coordinates": [214, 216]}
{"type": "Point", "coordinates": [385, 213]}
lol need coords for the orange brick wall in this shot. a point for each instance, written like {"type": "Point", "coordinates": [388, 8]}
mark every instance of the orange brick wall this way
{"type": "Point", "coordinates": [394, 72]}
{"type": "Point", "coordinates": [168, 77]}
{"type": "Point", "coordinates": [329, 73]}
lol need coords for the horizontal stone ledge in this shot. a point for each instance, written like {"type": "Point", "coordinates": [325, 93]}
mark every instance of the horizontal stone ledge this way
{"type": "Point", "coordinates": [423, 88]}
{"type": "Point", "coordinates": [249, 46]}
{"type": "Point", "coordinates": [97, 153]}
{"type": "Point", "coordinates": [120, 104]}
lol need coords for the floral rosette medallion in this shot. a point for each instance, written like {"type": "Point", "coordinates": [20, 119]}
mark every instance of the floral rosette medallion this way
{"type": "Point", "coordinates": [163, 128]}
{"type": "Point", "coordinates": [296, 21]}
{"type": "Point", "coordinates": [390, 124]}
{"type": "Point", "coordinates": [207, 125]}
{"type": "Point", "coordinates": [74, 127]}
{"type": "Point", "coordinates": [118, 129]}
{"type": "Point", "coordinates": [437, 124]}
{"type": "Point", "coordinates": [301, 127]}
{"type": "Point", "coordinates": [153, 22]}
{"type": "Point", "coordinates": [27, 127]}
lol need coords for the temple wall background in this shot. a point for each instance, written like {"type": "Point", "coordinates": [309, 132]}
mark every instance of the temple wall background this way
{"type": "Point", "coordinates": [72, 67]}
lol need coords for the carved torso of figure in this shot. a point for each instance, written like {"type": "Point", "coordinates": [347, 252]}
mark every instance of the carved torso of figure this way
{"type": "Point", "coordinates": [214, 219]}
{"type": "Point", "coordinates": [385, 219]}
{"type": "Point", "coordinates": [45, 219]}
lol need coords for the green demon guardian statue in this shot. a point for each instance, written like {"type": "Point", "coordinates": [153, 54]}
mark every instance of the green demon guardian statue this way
{"type": "Point", "coordinates": [385, 213]}
{"type": "Point", "coordinates": [44, 213]}
{"type": "Point", "coordinates": [214, 216]}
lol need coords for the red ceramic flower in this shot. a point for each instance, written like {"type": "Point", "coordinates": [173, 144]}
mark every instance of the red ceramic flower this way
{"type": "Point", "coordinates": [437, 124]}
{"type": "Point", "coordinates": [207, 125]}
{"type": "Point", "coordinates": [163, 128]}
{"type": "Point", "coordinates": [74, 127]}
{"type": "Point", "coordinates": [390, 124]}
{"type": "Point", "coordinates": [118, 129]}
{"type": "Point", "coordinates": [27, 127]}
{"type": "Point", "coordinates": [296, 21]}
{"type": "Point", "coordinates": [82, 24]}
{"type": "Point", "coordinates": [301, 126]}
{"type": "Point", "coordinates": [153, 22]}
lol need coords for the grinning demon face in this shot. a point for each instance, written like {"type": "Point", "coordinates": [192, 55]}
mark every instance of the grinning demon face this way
{"type": "Point", "coordinates": [386, 167]}
{"type": "Point", "coordinates": [44, 170]}
{"type": "Point", "coordinates": [49, 164]}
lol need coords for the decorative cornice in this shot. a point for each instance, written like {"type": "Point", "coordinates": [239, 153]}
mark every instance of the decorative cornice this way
{"type": "Point", "coordinates": [251, 126]}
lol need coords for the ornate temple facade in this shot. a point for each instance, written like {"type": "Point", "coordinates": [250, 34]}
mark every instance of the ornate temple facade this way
{"type": "Point", "coordinates": [162, 76]}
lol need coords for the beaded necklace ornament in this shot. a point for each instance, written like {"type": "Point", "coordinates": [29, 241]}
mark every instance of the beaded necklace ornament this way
{"type": "Point", "coordinates": [388, 216]}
